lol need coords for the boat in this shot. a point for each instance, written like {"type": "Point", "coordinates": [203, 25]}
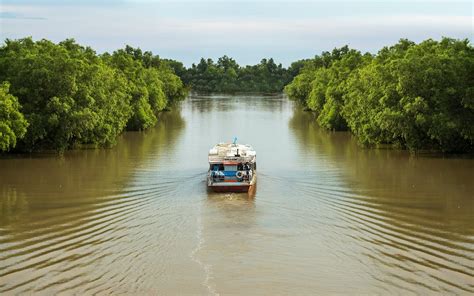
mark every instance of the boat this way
{"type": "Point", "coordinates": [232, 168]}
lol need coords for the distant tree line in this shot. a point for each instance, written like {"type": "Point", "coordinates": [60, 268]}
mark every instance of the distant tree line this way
{"type": "Point", "coordinates": [226, 76]}
{"type": "Point", "coordinates": [59, 96]}
{"type": "Point", "coordinates": [415, 96]}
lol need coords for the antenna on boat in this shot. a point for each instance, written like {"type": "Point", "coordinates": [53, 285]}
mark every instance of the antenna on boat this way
{"type": "Point", "coordinates": [235, 140]}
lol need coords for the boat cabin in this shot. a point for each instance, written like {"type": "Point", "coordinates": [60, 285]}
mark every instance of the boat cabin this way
{"type": "Point", "coordinates": [233, 171]}
{"type": "Point", "coordinates": [232, 166]}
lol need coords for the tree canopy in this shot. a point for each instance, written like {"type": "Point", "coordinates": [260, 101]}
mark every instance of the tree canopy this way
{"type": "Point", "coordinates": [415, 96]}
{"type": "Point", "coordinates": [71, 96]}
{"type": "Point", "coordinates": [226, 75]}
{"type": "Point", "coordinates": [62, 95]}
{"type": "Point", "coordinates": [12, 122]}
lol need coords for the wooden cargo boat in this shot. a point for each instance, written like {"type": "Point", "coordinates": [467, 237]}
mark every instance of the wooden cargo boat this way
{"type": "Point", "coordinates": [232, 168]}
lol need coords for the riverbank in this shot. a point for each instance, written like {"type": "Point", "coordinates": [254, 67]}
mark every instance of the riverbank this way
{"type": "Point", "coordinates": [414, 96]}
{"type": "Point", "coordinates": [408, 96]}
{"type": "Point", "coordinates": [61, 96]}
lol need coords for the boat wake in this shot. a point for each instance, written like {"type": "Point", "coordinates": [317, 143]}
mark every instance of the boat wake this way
{"type": "Point", "coordinates": [195, 257]}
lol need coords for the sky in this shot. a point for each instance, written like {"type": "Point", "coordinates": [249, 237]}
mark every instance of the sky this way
{"type": "Point", "coordinates": [245, 30]}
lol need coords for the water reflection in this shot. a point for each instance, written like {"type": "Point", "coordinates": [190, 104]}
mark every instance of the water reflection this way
{"type": "Point", "coordinates": [237, 207]}
{"type": "Point", "coordinates": [232, 103]}
{"type": "Point", "coordinates": [80, 175]}
{"type": "Point", "coordinates": [138, 219]}
{"type": "Point", "coordinates": [229, 225]}
{"type": "Point", "coordinates": [411, 216]}
{"type": "Point", "coordinates": [61, 215]}
{"type": "Point", "coordinates": [13, 206]}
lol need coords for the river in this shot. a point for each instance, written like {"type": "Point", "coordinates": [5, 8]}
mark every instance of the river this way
{"type": "Point", "coordinates": [328, 217]}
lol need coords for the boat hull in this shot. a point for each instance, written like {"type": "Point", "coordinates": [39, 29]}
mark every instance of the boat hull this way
{"type": "Point", "coordinates": [233, 186]}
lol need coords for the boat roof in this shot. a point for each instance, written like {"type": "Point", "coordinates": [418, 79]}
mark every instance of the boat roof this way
{"type": "Point", "coordinates": [227, 153]}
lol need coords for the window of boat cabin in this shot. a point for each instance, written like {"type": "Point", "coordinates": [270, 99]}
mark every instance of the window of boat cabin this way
{"type": "Point", "coordinates": [230, 167]}
{"type": "Point", "coordinates": [217, 167]}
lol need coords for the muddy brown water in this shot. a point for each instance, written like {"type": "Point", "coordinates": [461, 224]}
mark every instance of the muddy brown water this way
{"type": "Point", "coordinates": [327, 215]}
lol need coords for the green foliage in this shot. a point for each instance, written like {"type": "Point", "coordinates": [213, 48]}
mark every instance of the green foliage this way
{"type": "Point", "coordinates": [418, 96]}
{"type": "Point", "coordinates": [140, 81]}
{"type": "Point", "coordinates": [12, 122]}
{"type": "Point", "coordinates": [227, 76]}
{"type": "Point", "coordinates": [57, 96]}
{"type": "Point", "coordinates": [173, 87]}
{"type": "Point", "coordinates": [329, 86]}
{"type": "Point", "coordinates": [295, 68]}
{"type": "Point", "coordinates": [178, 68]}
{"type": "Point", "coordinates": [415, 96]}
{"type": "Point", "coordinates": [71, 96]}
{"type": "Point", "coordinates": [302, 88]}
{"type": "Point", "coordinates": [165, 70]}
{"type": "Point", "coordinates": [152, 84]}
{"type": "Point", "coordinates": [68, 95]}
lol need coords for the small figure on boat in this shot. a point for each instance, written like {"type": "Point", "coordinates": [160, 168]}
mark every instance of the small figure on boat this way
{"type": "Point", "coordinates": [232, 167]}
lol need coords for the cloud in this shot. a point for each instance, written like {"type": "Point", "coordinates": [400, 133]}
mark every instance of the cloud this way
{"type": "Point", "coordinates": [62, 2]}
{"type": "Point", "coordinates": [12, 15]}
{"type": "Point", "coordinates": [285, 31]}
{"type": "Point", "coordinates": [169, 33]}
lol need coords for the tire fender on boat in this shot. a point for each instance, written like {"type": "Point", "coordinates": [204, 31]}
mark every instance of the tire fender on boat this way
{"type": "Point", "coordinates": [239, 174]}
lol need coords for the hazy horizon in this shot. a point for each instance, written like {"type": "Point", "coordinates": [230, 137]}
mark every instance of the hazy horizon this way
{"type": "Point", "coordinates": [244, 30]}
